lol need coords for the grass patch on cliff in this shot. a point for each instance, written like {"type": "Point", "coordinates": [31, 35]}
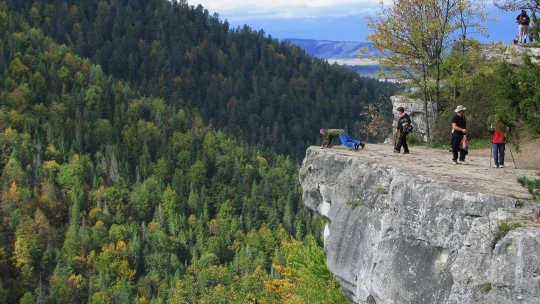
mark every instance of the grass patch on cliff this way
{"type": "Point", "coordinates": [355, 204]}
{"type": "Point", "coordinates": [382, 190]}
{"type": "Point", "coordinates": [504, 227]}
{"type": "Point", "coordinates": [485, 288]}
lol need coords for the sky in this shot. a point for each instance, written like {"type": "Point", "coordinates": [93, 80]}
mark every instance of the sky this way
{"type": "Point", "coordinates": [337, 20]}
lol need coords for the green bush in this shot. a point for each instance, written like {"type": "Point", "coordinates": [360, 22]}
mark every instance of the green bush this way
{"type": "Point", "coordinates": [532, 185]}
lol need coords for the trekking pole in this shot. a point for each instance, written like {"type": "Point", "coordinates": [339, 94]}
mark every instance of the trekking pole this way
{"type": "Point", "coordinates": [508, 132]}
{"type": "Point", "coordinates": [513, 158]}
{"type": "Point", "coordinates": [395, 140]}
{"type": "Point", "coordinates": [491, 155]}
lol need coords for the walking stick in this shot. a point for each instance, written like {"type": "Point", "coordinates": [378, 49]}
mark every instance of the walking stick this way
{"type": "Point", "coordinates": [491, 155]}
{"type": "Point", "coordinates": [395, 139]}
{"type": "Point", "coordinates": [513, 158]}
{"type": "Point", "coordinates": [508, 132]}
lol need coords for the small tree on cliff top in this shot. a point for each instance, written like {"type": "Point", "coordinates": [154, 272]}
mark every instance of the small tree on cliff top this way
{"type": "Point", "coordinates": [415, 37]}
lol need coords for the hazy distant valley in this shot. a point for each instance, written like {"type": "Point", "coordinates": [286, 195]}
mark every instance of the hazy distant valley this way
{"type": "Point", "coordinates": [342, 52]}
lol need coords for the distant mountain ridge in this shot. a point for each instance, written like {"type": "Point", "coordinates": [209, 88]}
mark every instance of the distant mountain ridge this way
{"type": "Point", "coordinates": [333, 49]}
{"type": "Point", "coordinates": [341, 52]}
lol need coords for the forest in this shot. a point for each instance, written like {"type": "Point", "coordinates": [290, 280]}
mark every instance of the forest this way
{"type": "Point", "coordinates": [243, 82]}
{"type": "Point", "coordinates": [149, 154]}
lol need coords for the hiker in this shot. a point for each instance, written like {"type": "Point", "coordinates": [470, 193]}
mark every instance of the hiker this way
{"type": "Point", "coordinates": [523, 21]}
{"type": "Point", "coordinates": [500, 133]}
{"type": "Point", "coordinates": [459, 129]}
{"type": "Point", "coordinates": [330, 134]}
{"type": "Point", "coordinates": [402, 130]}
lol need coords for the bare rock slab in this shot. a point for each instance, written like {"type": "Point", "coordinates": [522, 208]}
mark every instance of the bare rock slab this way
{"type": "Point", "coordinates": [400, 232]}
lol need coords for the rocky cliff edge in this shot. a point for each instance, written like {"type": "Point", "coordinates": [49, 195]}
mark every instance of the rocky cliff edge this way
{"type": "Point", "coordinates": [416, 229]}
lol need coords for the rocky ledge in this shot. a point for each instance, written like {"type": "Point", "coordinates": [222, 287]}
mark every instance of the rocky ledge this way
{"type": "Point", "coordinates": [404, 229]}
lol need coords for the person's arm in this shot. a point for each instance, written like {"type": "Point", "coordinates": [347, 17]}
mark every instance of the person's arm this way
{"type": "Point", "coordinates": [325, 141]}
{"type": "Point", "coordinates": [455, 127]}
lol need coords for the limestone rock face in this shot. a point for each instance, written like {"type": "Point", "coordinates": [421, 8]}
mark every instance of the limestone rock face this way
{"type": "Point", "coordinates": [513, 54]}
{"type": "Point", "coordinates": [392, 236]}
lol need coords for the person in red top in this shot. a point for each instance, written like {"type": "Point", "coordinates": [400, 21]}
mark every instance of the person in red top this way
{"type": "Point", "coordinates": [500, 133]}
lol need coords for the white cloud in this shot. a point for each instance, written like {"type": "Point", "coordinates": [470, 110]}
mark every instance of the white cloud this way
{"type": "Point", "coordinates": [275, 9]}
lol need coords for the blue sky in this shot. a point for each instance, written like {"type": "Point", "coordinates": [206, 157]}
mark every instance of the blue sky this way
{"type": "Point", "coordinates": [338, 20]}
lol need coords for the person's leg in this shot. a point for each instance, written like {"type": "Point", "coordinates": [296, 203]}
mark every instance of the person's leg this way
{"type": "Point", "coordinates": [399, 142]}
{"type": "Point", "coordinates": [501, 154]}
{"type": "Point", "coordinates": [345, 140]}
{"type": "Point", "coordinates": [455, 147]}
{"type": "Point", "coordinates": [520, 33]}
{"type": "Point", "coordinates": [462, 154]}
{"type": "Point", "coordinates": [496, 155]}
{"type": "Point", "coordinates": [405, 146]}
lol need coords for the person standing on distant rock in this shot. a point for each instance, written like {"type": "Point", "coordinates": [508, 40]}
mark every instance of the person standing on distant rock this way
{"type": "Point", "coordinates": [500, 132]}
{"type": "Point", "coordinates": [402, 130]}
{"type": "Point", "coordinates": [459, 129]}
{"type": "Point", "coordinates": [329, 134]}
{"type": "Point", "coordinates": [523, 21]}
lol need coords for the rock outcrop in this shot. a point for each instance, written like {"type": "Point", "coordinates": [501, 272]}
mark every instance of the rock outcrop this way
{"type": "Point", "coordinates": [513, 54]}
{"type": "Point", "coordinates": [415, 107]}
{"type": "Point", "coordinates": [393, 235]}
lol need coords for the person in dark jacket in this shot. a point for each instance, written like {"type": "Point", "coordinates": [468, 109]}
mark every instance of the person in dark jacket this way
{"type": "Point", "coordinates": [459, 129]}
{"type": "Point", "coordinates": [402, 130]}
{"type": "Point", "coordinates": [330, 134]}
{"type": "Point", "coordinates": [523, 22]}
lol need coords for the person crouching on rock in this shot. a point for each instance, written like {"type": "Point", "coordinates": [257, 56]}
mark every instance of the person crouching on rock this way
{"type": "Point", "coordinates": [329, 134]}
{"type": "Point", "coordinates": [402, 130]}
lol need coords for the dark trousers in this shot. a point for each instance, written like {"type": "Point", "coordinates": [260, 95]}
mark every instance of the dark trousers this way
{"type": "Point", "coordinates": [498, 154]}
{"type": "Point", "coordinates": [456, 140]}
{"type": "Point", "coordinates": [402, 141]}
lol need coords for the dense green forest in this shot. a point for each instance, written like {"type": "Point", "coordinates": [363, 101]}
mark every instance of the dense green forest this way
{"type": "Point", "coordinates": [148, 154]}
{"type": "Point", "coordinates": [240, 81]}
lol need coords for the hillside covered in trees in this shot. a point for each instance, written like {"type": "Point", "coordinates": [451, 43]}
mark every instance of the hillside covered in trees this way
{"type": "Point", "coordinates": [148, 154]}
{"type": "Point", "coordinates": [241, 81]}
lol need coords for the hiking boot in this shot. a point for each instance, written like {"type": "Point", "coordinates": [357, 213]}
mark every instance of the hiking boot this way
{"type": "Point", "coordinates": [501, 166]}
{"type": "Point", "coordinates": [454, 162]}
{"type": "Point", "coordinates": [362, 145]}
{"type": "Point", "coordinates": [495, 166]}
{"type": "Point", "coordinates": [462, 162]}
{"type": "Point", "coordinates": [405, 152]}
{"type": "Point", "coordinates": [396, 151]}
{"type": "Point", "coordinates": [356, 146]}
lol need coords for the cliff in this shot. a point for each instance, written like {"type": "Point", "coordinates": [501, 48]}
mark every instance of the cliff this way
{"type": "Point", "coordinates": [417, 229]}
